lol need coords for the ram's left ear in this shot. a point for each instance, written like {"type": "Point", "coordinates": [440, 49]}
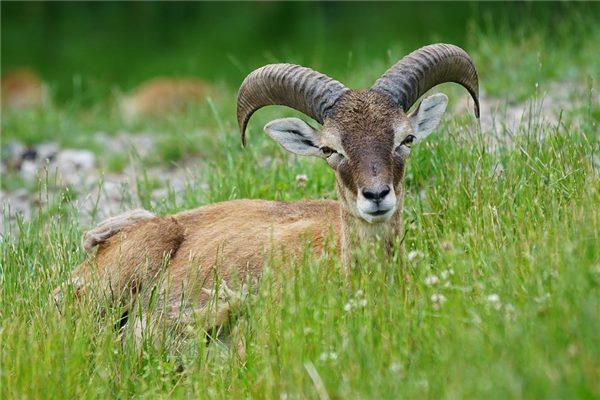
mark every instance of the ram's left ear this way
{"type": "Point", "coordinates": [428, 114]}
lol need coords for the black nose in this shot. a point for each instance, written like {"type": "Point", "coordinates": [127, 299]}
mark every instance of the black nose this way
{"type": "Point", "coordinates": [376, 194]}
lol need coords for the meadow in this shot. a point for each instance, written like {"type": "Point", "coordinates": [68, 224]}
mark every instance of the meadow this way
{"type": "Point", "coordinates": [496, 294]}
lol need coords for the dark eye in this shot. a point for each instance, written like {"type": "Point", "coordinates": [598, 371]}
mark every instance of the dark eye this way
{"type": "Point", "coordinates": [327, 151]}
{"type": "Point", "coordinates": [408, 140]}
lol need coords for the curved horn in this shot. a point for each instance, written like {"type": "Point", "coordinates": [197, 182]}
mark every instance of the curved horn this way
{"type": "Point", "coordinates": [290, 85]}
{"type": "Point", "coordinates": [415, 74]}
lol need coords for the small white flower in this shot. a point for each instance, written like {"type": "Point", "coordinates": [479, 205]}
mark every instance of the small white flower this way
{"type": "Point", "coordinates": [348, 306]}
{"type": "Point", "coordinates": [415, 255]}
{"type": "Point", "coordinates": [446, 246]}
{"type": "Point", "coordinates": [301, 180]}
{"type": "Point", "coordinates": [494, 300]}
{"type": "Point", "coordinates": [432, 280]}
{"type": "Point", "coordinates": [396, 367]}
{"type": "Point", "coordinates": [363, 302]}
{"type": "Point", "coordinates": [438, 300]}
{"type": "Point", "coordinates": [359, 293]}
{"type": "Point", "coordinates": [328, 356]}
{"type": "Point", "coordinates": [447, 273]}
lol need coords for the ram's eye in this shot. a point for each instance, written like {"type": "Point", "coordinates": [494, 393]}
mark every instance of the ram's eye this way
{"type": "Point", "coordinates": [408, 140]}
{"type": "Point", "coordinates": [327, 151]}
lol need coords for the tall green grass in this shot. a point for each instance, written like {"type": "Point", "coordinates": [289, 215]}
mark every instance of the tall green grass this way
{"type": "Point", "coordinates": [496, 295]}
{"type": "Point", "coordinates": [514, 249]}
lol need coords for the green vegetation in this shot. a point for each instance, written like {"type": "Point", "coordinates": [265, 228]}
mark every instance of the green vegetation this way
{"type": "Point", "coordinates": [497, 295]}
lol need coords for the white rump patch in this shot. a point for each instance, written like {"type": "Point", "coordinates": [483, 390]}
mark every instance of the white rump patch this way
{"type": "Point", "coordinates": [113, 225]}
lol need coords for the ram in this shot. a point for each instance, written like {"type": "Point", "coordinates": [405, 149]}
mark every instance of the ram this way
{"type": "Point", "coordinates": [366, 137]}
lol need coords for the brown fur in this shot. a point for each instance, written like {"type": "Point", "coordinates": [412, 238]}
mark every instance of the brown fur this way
{"type": "Point", "coordinates": [21, 88]}
{"type": "Point", "coordinates": [364, 122]}
{"type": "Point", "coordinates": [160, 96]}
{"type": "Point", "coordinates": [195, 251]}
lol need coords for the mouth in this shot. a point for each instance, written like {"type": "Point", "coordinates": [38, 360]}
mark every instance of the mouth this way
{"type": "Point", "coordinates": [378, 212]}
{"type": "Point", "coordinates": [380, 215]}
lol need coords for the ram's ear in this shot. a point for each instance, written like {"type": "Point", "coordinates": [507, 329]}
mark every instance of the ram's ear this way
{"type": "Point", "coordinates": [428, 114]}
{"type": "Point", "coordinates": [295, 135]}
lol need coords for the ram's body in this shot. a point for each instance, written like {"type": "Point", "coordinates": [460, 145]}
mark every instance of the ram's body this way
{"type": "Point", "coordinates": [187, 254]}
{"type": "Point", "coordinates": [212, 253]}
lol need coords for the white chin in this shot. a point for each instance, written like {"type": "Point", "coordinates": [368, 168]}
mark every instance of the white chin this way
{"type": "Point", "coordinates": [374, 219]}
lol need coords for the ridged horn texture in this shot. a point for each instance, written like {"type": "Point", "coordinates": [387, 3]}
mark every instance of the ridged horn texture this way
{"type": "Point", "coordinates": [415, 74]}
{"type": "Point", "coordinates": [300, 88]}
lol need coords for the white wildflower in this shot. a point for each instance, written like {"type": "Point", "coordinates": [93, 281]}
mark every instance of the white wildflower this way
{"type": "Point", "coordinates": [356, 302]}
{"type": "Point", "coordinates": [301, 180]}
{"type": "Point", "coordinates": [415, 255]}
{"type": "Point", "coordinates": [446, 246]}
{"type": "Point", "coordinates": [328, 356]}
{"type": "Point", "coordinates": [432, 280]}
{"type": "Point", "coordinates": [494, 300]}
{"type": "Point", "coordinates": [445, 274]}
{"type": "Point", "coordinates": [396, 367]}
{"type": "Point", "coordinates": [438, 300]}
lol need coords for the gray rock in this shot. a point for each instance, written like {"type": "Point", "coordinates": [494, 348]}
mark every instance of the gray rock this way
{"type": "Point", "coordinates": [142, 144]}
{"type": "Point", "coordinates": [11, 153]}
{"type": "Point", "coordinates": [47, 151]}
{"type": "Point", "coordinates": [29, 170]}
{"type": "Point", "coordinates": [74, 167]}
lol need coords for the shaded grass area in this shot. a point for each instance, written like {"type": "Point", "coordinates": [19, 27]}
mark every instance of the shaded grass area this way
{"type": "Point", "coordinates": [511, 237]}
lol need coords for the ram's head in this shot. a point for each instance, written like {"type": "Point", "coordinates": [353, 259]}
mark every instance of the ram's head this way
{"type": "Point", "coordinates": [366, 135]}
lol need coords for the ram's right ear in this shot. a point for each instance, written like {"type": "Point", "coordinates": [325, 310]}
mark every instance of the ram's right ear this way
{"type": "Point", "coordinates": [295, 135]}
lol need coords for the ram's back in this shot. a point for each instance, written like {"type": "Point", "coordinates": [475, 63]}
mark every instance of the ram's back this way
{"type": "Point", "coordinates": [190, 251]}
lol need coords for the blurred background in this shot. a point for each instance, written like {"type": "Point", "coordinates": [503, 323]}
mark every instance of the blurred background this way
{"type": "Point", "coordinates": [86, 49]}
{"type": "Point", "coordinates": [103, 91]}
